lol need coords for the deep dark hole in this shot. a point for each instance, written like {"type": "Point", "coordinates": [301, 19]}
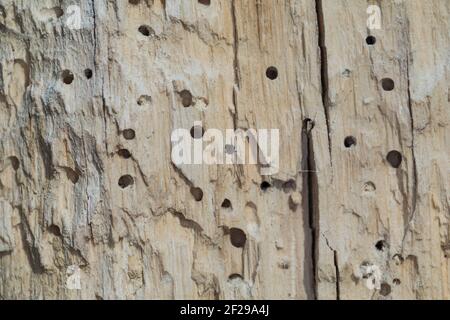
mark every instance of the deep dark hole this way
{"type": "Point", "coordinates": [272, 73]}
{"type": "Point", "coordinates": [226, 203]}
{"type": "Point", "coordinates": [197, 132]}
{"type": "Point", "coordinates": [67, 76]}
{"type": "Point", "coordinates": [124, 153]}
{"type": "Point", "coordinates": [197, 193]}
{"type": "Point", "coordinates": [55, 230]}
{"type": "Point", "coordinates": [126, 181]}
{"type": "Point", "coordinates": [265, 185]}
{"type": "Point", "coordinates": [133, 2]}
{"type": "Point", "coordinates": [237, 237]}
{"type": "Point", "coordinates": [145, 30]}
{"type": "Point", "coordinates": [15, 163]}
{"type": "Point", "coordinates": [88, 73]}
{"type": "Point", "coordinates": [396, 281]}
{"type": "Point", "coordinates": [349, 141]}
{"type": "Point", "coordinates": [387, 84]}
{"type": "Point", "coordinates": [129, 134]}
{"type": "Point", "coordinates": [371, 40]}
{"type": "Point", "coordinates": [186, 98]}
{"type": "Point", "coordinates": [205, 2]}
{"type": "Point", "coordinates": [394, 158]}
{"type": "Point", "coordinates": [385, 289]}
{"type": "Point", "coordinates": [380, 245]}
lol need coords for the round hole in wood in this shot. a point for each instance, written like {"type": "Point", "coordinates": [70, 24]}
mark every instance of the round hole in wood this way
{"type": "Point", "coordinates": [381, 245]}
{"type": "Point", "coordinates": [272, 73]}
{"type": "Point", "coordinates": [55, 230]}
{"type": "Point", "coordinates": [237, 237]}
{"type": "Point", "coordinates": [67, 76]}
{"type": "Point", "coordinates": [15, 163]}
{"type": "Point", "coordinates": [197, 132]}
{"type": "Point", "coordinates": [371, 40]}
{"type": "Point", "coordinates": [145, 30]}
{"type": "Point", "coordinates": [265, 185]}
{"type": "Point", "coordinates": [387, 84]}
{"type": "Point", "coordinates": [394, 158]}
{"type": "Point", "coordinates": [197, 193]}
{"type": "Point", "coordinates": [385, 289]}
{"type": "Point", "coordinates": [186, 98]}
{"type": "Point", "coordinates": [88, 73]}
{"type": "Point", "coordinates": [349, 142]}
{"type": "Point", "coordinates": [226, 204]}
{"type": "Point", "coordinates": [126, 181]}
{"type": "Point", "coordinates": [129, 134]}
{"type": "Point", "coordinates": [124, 153]}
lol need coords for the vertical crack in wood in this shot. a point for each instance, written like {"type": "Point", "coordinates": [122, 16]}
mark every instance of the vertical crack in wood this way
{"type": "Point", "coordinates": [310, 203]}
{"type": "Point", "coordinates": [324, 71]}
{"type": "Point", "coordinates": [104, 106]}
{"type": "Point", "coordinates": [237, 80]}
{"type": "Point", "coordinates": [338, 274]}
{"type": "Point", "coordinates": [414, 194]}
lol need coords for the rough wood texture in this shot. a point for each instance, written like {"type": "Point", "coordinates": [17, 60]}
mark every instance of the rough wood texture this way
{"type": "Point", "coordinates": [338, 222]}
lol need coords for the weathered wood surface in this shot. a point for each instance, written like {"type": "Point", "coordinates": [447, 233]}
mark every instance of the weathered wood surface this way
{"type": "Point", "coordinates": [336, 222]}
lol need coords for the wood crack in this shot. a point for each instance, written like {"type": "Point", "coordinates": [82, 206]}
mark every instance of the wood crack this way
{"type": "Point", "coordinates": [324, 72]}
{"type": "Point", "coordinates": [310, 203]}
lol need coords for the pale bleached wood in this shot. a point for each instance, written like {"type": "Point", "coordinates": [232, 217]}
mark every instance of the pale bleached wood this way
{"type": "Point", "coordinates": [311, 235]}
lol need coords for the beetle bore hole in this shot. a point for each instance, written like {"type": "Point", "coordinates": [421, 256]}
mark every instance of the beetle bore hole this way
{"type": "Point", "coordinates": [381, 245]}
{"type": "Point", "coordinates": [237, 237]}
{"type": "Point", "coordinates": [126, 181]}
{"type": "Point", "coordinates": [15, 163]}
{"type": "Point", "coordinates": [55, 230]}
{"type": "Point", "coordinates": [88, 73]}
{"type": "Point", "coordinates": [385, 289]}
{"type": "Point", "coordinates": [129, 134]}
{"type": "Point", "coordinates": [124, 153]}
{"type": "Point", "coordinates": [272, 73]}
{"type": "Point", "coordinates": [205, 2]}
{"type": "Point", "coordinates": [186, 98]}
{"type": "Point", "coordinates": [226, 204]}
{"type": "Point", "coordinates": [371, 40]}
{"type": "Point", "coordinates": [394, 158]}
{"type": "Point", "coordinates": [265, 185]}
{"type": "Point", "coordinates": [145, 30]}
{"type": "Point", "coordinates": [197, 132]}
{"type": "Point", "coordinates": [387, 84]}
{"type": "Point", "coordinates": [67, 76]}
{"type": "Point", "coordinates": [197, 193]}
{"type": "Point", "coordinates": [349, 142]}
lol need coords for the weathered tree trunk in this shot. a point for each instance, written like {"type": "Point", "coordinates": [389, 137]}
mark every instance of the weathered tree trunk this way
{"type": "Point", "coordinates": [358, 209]}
